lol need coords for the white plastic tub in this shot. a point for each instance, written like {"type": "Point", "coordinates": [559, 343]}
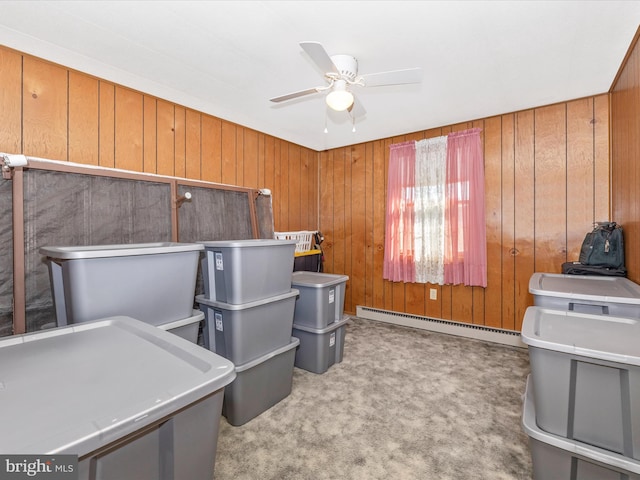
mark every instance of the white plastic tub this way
{"type": "Point", "coordinates": [152, 282]}
{"type": "Point", "coordinates": [243, 271]}
{"type": "Point", "coordinates": [617, 296]}
{"type": "Point", "coordinates": [558, 458]}
{"type": "Point", "coordinates": [586, 373]}
{"type": "Point", "coordinates": [132, 401]}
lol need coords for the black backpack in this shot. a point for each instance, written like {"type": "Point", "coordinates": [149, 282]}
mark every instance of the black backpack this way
{"type": "Point", "coordinates": [602, 252]}
{"type": "Point", "coordinates": [603, 246]}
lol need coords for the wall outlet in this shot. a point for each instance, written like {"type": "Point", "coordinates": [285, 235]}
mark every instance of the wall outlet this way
{"type": "Point", "coordinates": [433, 294]}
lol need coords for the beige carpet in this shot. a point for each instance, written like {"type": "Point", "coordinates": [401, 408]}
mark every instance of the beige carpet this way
{"type": "Point", "coordinates": [403, 404]}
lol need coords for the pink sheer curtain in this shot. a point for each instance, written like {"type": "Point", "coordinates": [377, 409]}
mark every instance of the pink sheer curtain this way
{"type": "Point", "coordinates": [465, 232]}
{"type": "Point", "coordinates": [398, 240]}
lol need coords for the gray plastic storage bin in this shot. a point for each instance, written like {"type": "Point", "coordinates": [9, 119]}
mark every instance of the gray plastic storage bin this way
{"type": "Point", "coordinates": [245, 332]}
{"type": "Point", "coordinates": [132, 401]}
{"type": "Point", "coordinates": [617, 296]}
{"type": "Point", "coordinates": [243, 271]}
{"type": "Point", "coordinates": [321, 300]}
{"type": "Point", "coordinates": [186, 328]}
{"type": "Point", "coordinates": [260, 384]}
{"type": "Point", "coordinates": [320, 347]}
{"type": "Point", "coordinates": [152, 282]}
{"type": "Point", "coordinates": [558, 458]}
{"type": "Point", "coordinates": [586, 373]}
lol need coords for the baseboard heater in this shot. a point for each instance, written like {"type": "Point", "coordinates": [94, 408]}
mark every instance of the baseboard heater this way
{"type": "Point", "coordinates": [478, 332]}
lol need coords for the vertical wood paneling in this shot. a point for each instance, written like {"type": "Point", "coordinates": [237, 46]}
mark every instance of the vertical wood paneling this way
{"type": "Point", "coordinates": [369, 225]}
{"type": "Point", "coordinates": [355, 222]}
{"type": "Point", "coordinates": [180, 148]}
{"type": "Point", "coordinates": [166, 138]}
{"type": "Point", "coordinates": [129, 128]}
{"type": "Point", "coordinates": [625, 151]}
{"type": "Point", "coordinates": [150, 141]}
{"type": "Point", "coordinates": [44, 109]}
{"type": "Point", "coordinates": [602, 172]}
{"type": "Point", "coordinates": [580, 174]}
{"type": "Point", "coordinates": [493, 214]}
{"type": "Point", "coordinates": [10, 101]}
{"type": "Point", "coordinates": [107, 126]}
{"type": "Point", "coordinates": [326, 208]}
{"type": "Point", "coordinates": [378, 205]}
{"type": "Point", "coordinates": [508, 251]}
{"type": "Point", "coordinates": [229, 153]}
{"type": "Point", "coordinates": [339, 236]}
{"type": "Point", "coordinates": [211, 149]}
{"type": "Point", "coordinates": [547, 173]}
{"type": "Point", "coordinates": [524, 213]}
{"type": "Point", "coordinates": [240, 132]}
{"type": "Point", "coordinates": [279, 190]}
{"type": "Point", "coordinates": [269, 163]}
{"type": "Point", "coordinates": [294, 207]}
{"type": "Point", "coordinates": [251, 168]}
{"type": "Point", "coordinates": [193, 145]}
{"type": "Point", "coordinates": [550, 173]}
{"type": "Point", "coordinates": [83, 119]}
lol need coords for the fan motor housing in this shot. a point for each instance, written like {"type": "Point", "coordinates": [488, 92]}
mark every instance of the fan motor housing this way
{"type": "Point", "coordinates": [347, 66]}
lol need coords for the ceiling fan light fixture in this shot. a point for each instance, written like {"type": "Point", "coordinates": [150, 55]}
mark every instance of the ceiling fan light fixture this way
{"type": "Point", "coordinates": [339, 98]}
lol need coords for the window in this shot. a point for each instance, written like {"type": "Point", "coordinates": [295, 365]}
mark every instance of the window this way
{"type": "Point", "coordinates": [435, 228]}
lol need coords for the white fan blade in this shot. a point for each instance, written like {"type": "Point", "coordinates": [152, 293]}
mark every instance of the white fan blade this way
{"type": "Point", "coordinates": [293, 95]}
{"type": "Point", "coordinates": [319, 55]}
{"type": "Point", "coordinates": [356, 110]}
{"type": "Point", "coordinates": [394, 77]}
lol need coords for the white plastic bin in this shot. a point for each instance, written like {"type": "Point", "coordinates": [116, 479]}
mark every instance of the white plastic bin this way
{"type": "Point", "coordinates": [245, 332]}
{"type": "Point", "coordinates": [132, 401]}
{"type": "Point", "coordinates": [586, 373]}
{"type": "Point", "coordinates": [320, 348]}
{"type": "Point", "coordinates": [152, 282]}
{"type": "Point", "coordinates": [186, 328]}
{"type": "Point", "coordinates": [260, 384]}
{"type": "Point", "coordinates": [243, 271]}
{"type": "Point", "coordinates": [321, 300]}
{"type": "Point", "coordinates": [558, 458]}
{"type": "Point", "coordinates": [617, 296]}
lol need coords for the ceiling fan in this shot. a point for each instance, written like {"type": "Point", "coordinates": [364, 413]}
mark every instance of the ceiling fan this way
{"type": "Point", "coordinates": [341, 74]}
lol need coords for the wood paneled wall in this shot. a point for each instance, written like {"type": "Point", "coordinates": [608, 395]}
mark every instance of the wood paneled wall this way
{"type": "Point", "coordinates": [50, 111]}
{"type": "Point", "coordinates": [547, 172]}
{"type": "Point", "coordinates": [547, 181]}
{"type": "Point", "coordinates": [625, 156]}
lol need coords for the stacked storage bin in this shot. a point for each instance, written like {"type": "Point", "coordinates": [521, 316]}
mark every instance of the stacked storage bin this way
{"type": "Point", "coordinates": [82, 391]}
{"type": "Point", "coordinates": [319, 321]}
{"type": "Point", "coordinates": [582, 404]}
{"type": "Point", "coordinates": [248, 306]}
{"type": "Point", "coordinates": [151, 282]}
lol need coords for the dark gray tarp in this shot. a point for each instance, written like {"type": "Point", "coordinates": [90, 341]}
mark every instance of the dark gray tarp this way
{"type": "Point", "coordinates": [6, 258]}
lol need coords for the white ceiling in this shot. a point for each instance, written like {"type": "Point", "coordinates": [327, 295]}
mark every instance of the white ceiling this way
{"type": "Point", "coordinates": [228, 58]}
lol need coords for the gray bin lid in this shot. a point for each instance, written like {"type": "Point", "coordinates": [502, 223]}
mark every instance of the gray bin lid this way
{"type": "Point", "coordinates": [76, 389]}
{"type": "Point", "coordinates": [248, 243]}
{"type": "Point", "coordinates": [316, 279]}
{"type": "Point", "coordinates": [585, 287]}
{"type": "Point", "coordinates": [571, 446]}
{"type": "Point", "coordinates": [121, 250]}
{"type": "Point", "coordinates": [322, 331]}
{"type": "Point", "coordinates": [203, 300]}
{"type": "Point", "coordinates": [601, 337]}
